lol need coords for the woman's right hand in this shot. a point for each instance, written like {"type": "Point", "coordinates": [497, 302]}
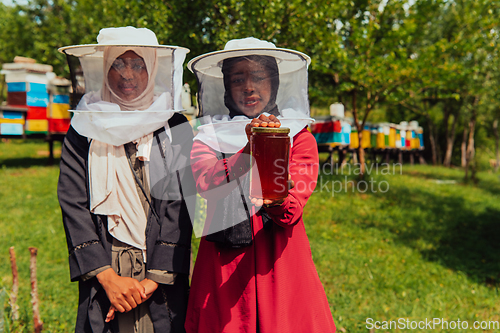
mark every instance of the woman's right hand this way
{"type": "Point", "coordinates": [124, 293]}
{"type": "Point", "coordinates": [149, 288]}
{"type": "Point", "coordinates": [262, 121]}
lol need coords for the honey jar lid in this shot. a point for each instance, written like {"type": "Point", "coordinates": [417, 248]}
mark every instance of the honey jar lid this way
{"type": "Point", "coordinates": [271, 130]}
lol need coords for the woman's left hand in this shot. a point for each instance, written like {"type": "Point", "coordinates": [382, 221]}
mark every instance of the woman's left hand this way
{"type": "Point", "coordinates": [150, 287]}
{"type": "Point", "coordinates": [269, 203]}
{"type": "Point", "coordinates": [265, 121]}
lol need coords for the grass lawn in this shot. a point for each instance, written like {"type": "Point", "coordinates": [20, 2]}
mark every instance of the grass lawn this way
{"type": "Point", "coordinates": [423, 246]}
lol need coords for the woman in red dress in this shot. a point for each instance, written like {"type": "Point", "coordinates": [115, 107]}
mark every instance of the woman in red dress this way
{"type": "Point", "coordinates": [254, 270]}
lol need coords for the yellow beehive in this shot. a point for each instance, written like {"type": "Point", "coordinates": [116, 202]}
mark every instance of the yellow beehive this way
{"type": "Point", "coordinates": [392, 137]}
{"type": "Point", "coordinates": [37, 125]}
{"type": "Point", "coordinates": [59, 111]}
{"type": "Point", "coordinates": [365, 139]}
{"type": "Point", "coordinates": [380, 140]}
{"type": "Point", "coordinates": [354, 140]}
{"type": "Point", "coordinates": [12, 121]}
{"type": "Point", "coordinates": [415, 143]}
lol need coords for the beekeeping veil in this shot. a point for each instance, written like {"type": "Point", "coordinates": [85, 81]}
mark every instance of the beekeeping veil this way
{"type": "Point", "coordinates": [223, 120]}
{"type": "Point", "coordinates": [101, 113]}
{"type": "Point", "coordinates": [126, 97]}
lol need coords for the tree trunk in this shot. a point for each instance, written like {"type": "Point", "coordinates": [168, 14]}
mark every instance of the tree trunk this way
{"type": "Point", "coordinates": [470, 144]}
{"type": "Point", "coordinates": [464, 146]}
{"type": "Point", "coordinates": [469, 154]}
{"type": "Point", "coordinates": [361, 154]}
{"type": "Point", "coordinates": [432, 140]}
{"type": "Point", "coordinates": [497, 137]}
{"type": "Point", "coordinates": [446, 119]}
{"type": "Point", "coordinates": [421, 159]}
{"type": "Point", "coordinates": [450, 138]}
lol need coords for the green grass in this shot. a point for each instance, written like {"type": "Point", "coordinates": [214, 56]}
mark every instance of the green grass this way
{"type": "Point", "coordinates": [423, 249]}
{"type": "Point", "coordinates": [30, 216]}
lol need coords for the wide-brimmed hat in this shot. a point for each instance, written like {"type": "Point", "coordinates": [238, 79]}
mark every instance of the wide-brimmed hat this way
{"type": "Point", "coordinates": [124, 37]}
{"type": "Point", "coordinates": [211, 63]}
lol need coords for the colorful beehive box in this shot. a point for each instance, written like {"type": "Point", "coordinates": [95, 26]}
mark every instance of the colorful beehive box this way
{"type": "Point", "coordinates": [380, 138]}
{"type": "Point", "coordinates": [36, 112]}
{"type": "Point", "coordinates": [16, 86]}
{"type": "Point", "coordinates": [14, 115]}
{"type": "Point", "coordinates": [27, 83]}
{"type": "Point", "coordinates": [35, 126]}
{"type": "Point", "coordinates": [59, 125]}
{"type": "Point", "coordinates": [420, 132]}
{"type": "Point", "coordinates": [16, 98]}
{"type": "Point", "coordinates": [27, 87]}
{"type": "Point", "coordinates": [392, 136]}
{"type": "Point", "coordinates": [387, 131]}
{"type": "Point", "coordinates": [373, 136]}
{"type": "Point", "coordinates": [11, 129]}
{"type": "Point", "coordinates": [398, 136]}
{"type": "Point", "coordinates": [366, 137]}
{"type": "Point", "coordinates": [346, 133]}
{"type": "Point", "coordinates": [58, 110]}
{"type": "Point", "coordinates": [354, 144]}
{"type": "Point", "coordinates": [328, 131]}
{"type": "Point", "coordinates": [12, 122]}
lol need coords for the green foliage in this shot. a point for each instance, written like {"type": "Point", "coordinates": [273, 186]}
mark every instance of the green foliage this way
{"type": "Point", "coordinates": [388, 54]}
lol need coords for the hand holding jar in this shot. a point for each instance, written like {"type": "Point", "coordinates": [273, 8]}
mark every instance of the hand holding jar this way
{"type": "Point", "coordinates": [262, 121]}
{"type": "Point", "coordinates": [269, 146]}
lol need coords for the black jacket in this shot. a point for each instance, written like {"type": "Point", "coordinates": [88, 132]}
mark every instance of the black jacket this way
{"type": "Point", "coordinates": [168, 240]}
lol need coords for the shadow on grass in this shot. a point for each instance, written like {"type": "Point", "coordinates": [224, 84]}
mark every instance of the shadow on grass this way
{"type": "Point", "coordinates": [27, 162]}
{"type": "Point", "coordinates": [492, 187]}
{"type": "Point", "coordinates": [490, 184]}
{"type": "Point", "coordinates": [457, 237]}
{"type": "Point", "coordinates": [444, 226]}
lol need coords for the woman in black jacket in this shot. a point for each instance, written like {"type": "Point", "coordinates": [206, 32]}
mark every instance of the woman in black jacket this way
{"type": "Point", "coordinates": [125, 186]}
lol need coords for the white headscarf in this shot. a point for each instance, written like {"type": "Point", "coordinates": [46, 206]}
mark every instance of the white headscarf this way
{"type": "Point", "coordinates": [145, 99]}
{"type": "Point", "coordinates": [112, 184]}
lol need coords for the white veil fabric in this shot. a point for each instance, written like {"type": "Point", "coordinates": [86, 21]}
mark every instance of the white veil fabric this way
{"type": "Point", "coordinates": [110, 121]}
{"type": "Point", "coordinates": [220, 129]}
{"type": "Point", "coordinates": [248, 78]}
{"type": "Point", "coordinates": [100, 114]}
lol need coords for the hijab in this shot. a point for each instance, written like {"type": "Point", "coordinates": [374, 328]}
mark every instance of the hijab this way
{"type": "Point", "coordinates": [145, 99]}
{"type": "Point", "coordinates": [112, 183]}
{"type": "Point", "coordinates": [269, 64]}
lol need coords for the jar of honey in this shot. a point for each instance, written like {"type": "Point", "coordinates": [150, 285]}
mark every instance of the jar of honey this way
{"type": "Point", "coordinates": [270, 151]}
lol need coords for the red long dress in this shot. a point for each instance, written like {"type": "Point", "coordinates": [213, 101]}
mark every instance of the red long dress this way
{"type": "Point", "coordinates": [272, 285]}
